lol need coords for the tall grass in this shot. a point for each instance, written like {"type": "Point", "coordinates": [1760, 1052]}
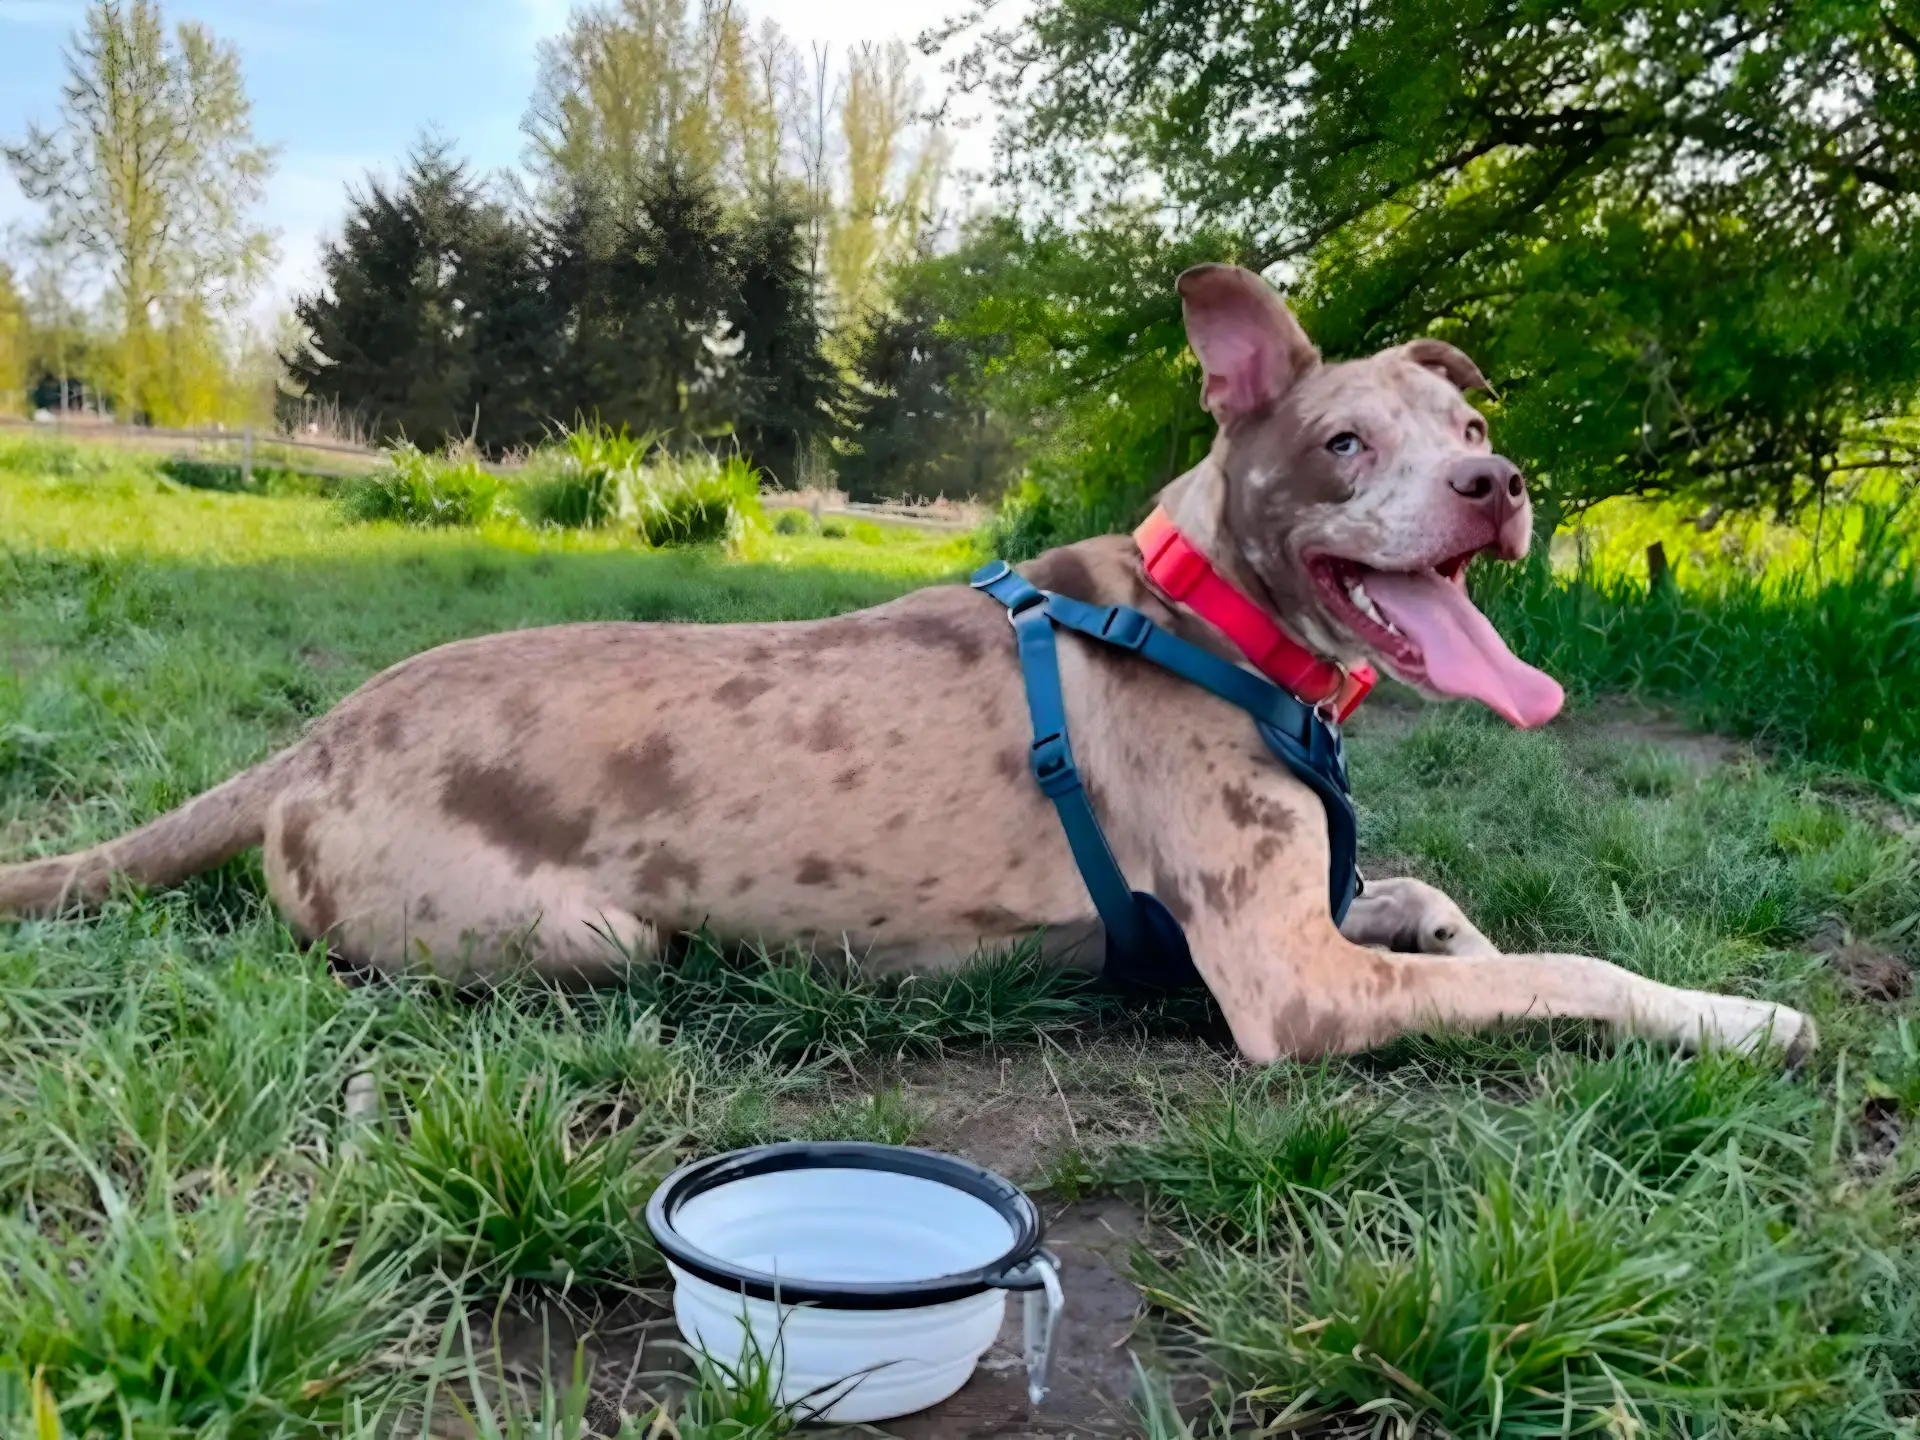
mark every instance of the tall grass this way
{"type": "Point", "coordinates": [590, 478]}
{"type": "Point", "coordinates": [1519, 1269]}
{"type": "Point", "coordinates": [1821, 660]}
{"type": "Point", "coordinates": [415, 488]}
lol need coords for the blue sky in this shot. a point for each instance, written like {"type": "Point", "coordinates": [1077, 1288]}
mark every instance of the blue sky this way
{"type": "Point", "coordinates": [344, 86]}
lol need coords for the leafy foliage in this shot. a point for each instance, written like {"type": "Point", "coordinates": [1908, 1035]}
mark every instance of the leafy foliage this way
{"type": "Point", "coordinates": [1680, 236]}
{"type": "Point", "coordinates": [912, 421]}
{"type": "Point", "coordinates": [150, 175]}
{"type": "Point", "coordinates": [448, 315]}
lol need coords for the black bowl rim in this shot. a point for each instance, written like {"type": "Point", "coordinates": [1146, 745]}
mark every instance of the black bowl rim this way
{"type": "Point", "coordinates": [1009, 1271]}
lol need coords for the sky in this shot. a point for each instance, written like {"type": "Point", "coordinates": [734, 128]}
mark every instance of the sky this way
{"type": "Point", "coordinates": [346, 86]}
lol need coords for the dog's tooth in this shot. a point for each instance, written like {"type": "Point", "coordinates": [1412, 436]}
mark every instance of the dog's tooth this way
{"type": "Point", "coordinates": [1363, 602]}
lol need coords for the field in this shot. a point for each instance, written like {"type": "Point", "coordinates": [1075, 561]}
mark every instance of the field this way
{"type": "Point", "coordinates": [240, 1198]}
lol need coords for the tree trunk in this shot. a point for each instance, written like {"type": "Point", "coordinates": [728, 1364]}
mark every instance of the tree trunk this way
{"type": "Point", "coordinates": [1659, 573]}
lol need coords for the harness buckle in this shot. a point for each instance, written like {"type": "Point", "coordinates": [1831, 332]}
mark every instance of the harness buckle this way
{"type": "Point", "coordinates": [1053, 767]}
{"type": "Point", "coordinates": [1017, 608]}
{"type": "Point", "coordinates": [1126, 628]}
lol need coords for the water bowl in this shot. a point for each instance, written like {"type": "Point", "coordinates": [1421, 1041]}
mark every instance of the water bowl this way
{"type": "Point", "coordinates": [871, 1277]}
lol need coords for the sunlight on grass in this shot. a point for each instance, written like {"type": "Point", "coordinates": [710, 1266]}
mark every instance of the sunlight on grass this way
{"type": "Point", "coordinates": [240, 1200]}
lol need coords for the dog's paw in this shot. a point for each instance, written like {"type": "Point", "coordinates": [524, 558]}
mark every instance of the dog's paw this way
{"type": "Point", "coordinates": [1753, 1026]}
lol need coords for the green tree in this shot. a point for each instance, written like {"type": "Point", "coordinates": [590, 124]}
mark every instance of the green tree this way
{"type": "Point", "coordinates": [153, 171]}
{"type": "Point", "coordinates": [14, 343]}
{"type": "Point", "coordinates": [890, 182]}
{"type": "Point", "coordinates": [1679, 233]}
{"type": "Point", "coordinates": [788, 387]}
{"type": "Point", "coordinates": [913, 421]}
{"type": "Point", "coordinates": [391, 336]}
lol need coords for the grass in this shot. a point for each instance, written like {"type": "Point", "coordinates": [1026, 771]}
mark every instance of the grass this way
{"type": "Point", "coordinates": [1814, 652]}
{"type": "Point", "coordinates": [238, 1199]}
{"type": "Point", "coordinates": [588, 478]}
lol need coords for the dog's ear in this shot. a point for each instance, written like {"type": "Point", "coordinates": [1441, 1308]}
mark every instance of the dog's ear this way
{"type": "Point", "coordinates": [1251, 348]}
{"type": "Point", "coordinates": [1447, 362]}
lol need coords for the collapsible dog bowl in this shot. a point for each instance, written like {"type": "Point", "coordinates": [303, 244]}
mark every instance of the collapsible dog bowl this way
{"type": "Point", "coordinates": [871, 1277]}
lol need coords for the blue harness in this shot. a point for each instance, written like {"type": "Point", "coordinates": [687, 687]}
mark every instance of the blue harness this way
{"type": "Point", "coordinates": [1146, 948]}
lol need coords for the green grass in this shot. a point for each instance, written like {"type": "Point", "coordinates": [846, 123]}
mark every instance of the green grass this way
{"type": "Point", "coordinates": [238, 1199]}
{"type": "Point", "coordinates": [1821, 663]}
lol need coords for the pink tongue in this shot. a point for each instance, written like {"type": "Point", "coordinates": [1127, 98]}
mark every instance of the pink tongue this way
{"type": "Point", "coordinates": [1465, 654]}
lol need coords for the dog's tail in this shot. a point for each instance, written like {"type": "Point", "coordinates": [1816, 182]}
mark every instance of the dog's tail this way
{"type": "Point", "coordinates": [202, 833]}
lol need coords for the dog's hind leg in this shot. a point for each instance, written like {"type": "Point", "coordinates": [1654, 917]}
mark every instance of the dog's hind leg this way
{"type": "Point", "coordinates": [1412, 916]}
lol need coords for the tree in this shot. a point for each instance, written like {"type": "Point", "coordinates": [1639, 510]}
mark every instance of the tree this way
{"type": "Point", "coordinates": [890, 187]}
{"type": "Point", "coordinates": [392, 334]}
{"type": "Point", "coordinates": [787, 385]}
{"type": "Point", "coordinates": [913, 422]}
{"type": "Point", "coordinates": [1679, 233]}
{"type": "Point", "coordinates": [14, 341]}
{"type": "Point", "coordinates": [671, 292]}
{"type": "Point", "coordinates": [153, 171]}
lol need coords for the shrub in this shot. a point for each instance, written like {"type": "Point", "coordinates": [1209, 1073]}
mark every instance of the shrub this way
{"type": "Point", "coordinates": [588, 481]}
{"type": "Point", "coordinates": [794, 522]}
{"type": "Point", "coordinates": [697, 499]}
{"type": "Point", "coordinates": [202, 474]}
{"type": "Point", "coordinates": [597, 478]}
{"type": "Point", "coordinates": [414, 488]}
{"type": "Point", "coordinates": [834, 529]}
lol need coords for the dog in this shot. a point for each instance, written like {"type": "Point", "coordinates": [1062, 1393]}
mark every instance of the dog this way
{"type": "Point", "coordinates": [573, 797]}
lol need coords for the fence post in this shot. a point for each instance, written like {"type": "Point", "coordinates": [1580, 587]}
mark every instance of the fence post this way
{"type": "Point", "coordinates": [246, 457]}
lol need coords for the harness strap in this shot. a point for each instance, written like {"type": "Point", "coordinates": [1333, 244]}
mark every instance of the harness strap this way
{"type": "Point", "coordinates": [1051, 759]}
{"type": "Point", "coordinates": [1144, 943]}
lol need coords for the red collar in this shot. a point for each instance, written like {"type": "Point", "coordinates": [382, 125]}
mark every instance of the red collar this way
{"type": "Point", "coordinates": [1184, 574]}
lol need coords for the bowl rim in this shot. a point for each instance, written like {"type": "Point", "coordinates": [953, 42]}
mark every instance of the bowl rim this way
{"type": "Point", "coordinates": [1010, 1270]}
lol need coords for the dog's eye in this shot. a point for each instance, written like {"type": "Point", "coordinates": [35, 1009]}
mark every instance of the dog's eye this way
{"type": "Point", "coordinates": [1344, 444]}
{"type": "Point", "coordinates": [1476, 431]}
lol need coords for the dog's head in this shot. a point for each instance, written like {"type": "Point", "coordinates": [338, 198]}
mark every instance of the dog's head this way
{"type": "Point", "coordinates": [1358, 493]}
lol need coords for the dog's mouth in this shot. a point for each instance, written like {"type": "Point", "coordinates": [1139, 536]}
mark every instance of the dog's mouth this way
{"type": "Point", "coordinates": [1424, 628]}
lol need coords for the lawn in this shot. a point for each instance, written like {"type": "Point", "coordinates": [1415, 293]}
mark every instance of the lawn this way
{"type": "Point", "coordinates": [240, 1199]}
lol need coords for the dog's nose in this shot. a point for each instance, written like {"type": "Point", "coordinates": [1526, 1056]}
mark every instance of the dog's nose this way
{"type": "Point", "coordinates": [1490, 478]}
{"type": "Point", "coordinates": [1493, 484]}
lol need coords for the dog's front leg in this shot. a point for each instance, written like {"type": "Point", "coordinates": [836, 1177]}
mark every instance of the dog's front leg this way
{"type": "Point", "coordinates": [1250, 874]}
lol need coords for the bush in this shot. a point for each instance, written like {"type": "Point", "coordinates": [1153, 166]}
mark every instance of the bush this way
{"type": "Point", "coordinates": [696, 499]}
{"type": "Point", "coordinates": [597, 478]}
{"type": "Point", "coordinates": [414, 488]}
{"type": "Point", "coordinates": [794, 522]}
{"type": "Point", "coordinates": [588, 481]}
{"type": "Point", "coordinates": [204, 474]}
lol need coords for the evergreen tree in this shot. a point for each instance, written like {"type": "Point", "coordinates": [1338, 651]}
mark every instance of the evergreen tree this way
{"type": "Point", "coordinates": [670, 293]}
{"type": "Point", "coordinates": [908, 425]}
{"type": "Point", "coordinates": [391, 337]}
{"type": "Point", "coordinates": [787, 387]}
